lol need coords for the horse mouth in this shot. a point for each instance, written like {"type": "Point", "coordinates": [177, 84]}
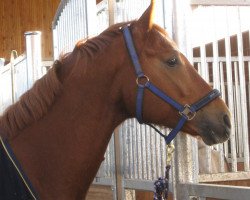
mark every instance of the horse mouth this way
{"type": "Point", "coordinates": [210, 137]}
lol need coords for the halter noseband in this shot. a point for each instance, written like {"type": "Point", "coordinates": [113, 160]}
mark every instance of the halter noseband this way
{"type": "Point", "coordinates": [187, 112]}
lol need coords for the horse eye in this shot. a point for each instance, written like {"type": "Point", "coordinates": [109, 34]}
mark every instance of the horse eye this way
{"type": "Point", "coordinates": [172, 62]}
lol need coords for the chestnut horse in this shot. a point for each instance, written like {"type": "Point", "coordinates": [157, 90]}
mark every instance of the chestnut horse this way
{"type": "Point", "coordinates": [60, 128]}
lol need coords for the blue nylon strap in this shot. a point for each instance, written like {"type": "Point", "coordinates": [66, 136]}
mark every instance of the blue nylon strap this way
{"type": "Point", "coordinates": [168, 138]}
{"type": "Point", "coordinates": [132, 51]}
{"type": "Point", "coordinates": [163, 96]}
{"type": "Point", "coordinates": [175, 131]}
{"type": "Point", "coordinates": [139, 103]}
{"type": "Point", "coordinates": [205, 100]}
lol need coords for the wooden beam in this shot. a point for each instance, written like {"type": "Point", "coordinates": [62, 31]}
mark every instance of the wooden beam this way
{"type": "Point", "coordinates": [220, 2]}
{"type": "Point", "coordinates": [111, 4]}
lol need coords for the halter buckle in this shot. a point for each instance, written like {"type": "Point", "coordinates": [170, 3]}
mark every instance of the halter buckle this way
{"type": "Point", "coordinates": [187, 112]}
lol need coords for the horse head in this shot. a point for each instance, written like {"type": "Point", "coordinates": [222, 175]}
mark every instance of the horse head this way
{"type": "Point", "coordinates": [165, 66]}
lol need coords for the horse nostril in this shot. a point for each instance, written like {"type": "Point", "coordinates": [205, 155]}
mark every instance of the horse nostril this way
{"type": "Point", "coordinates": [227, 121]}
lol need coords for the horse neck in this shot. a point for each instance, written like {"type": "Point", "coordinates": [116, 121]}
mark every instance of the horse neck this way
{"type": "Point", "coordinates": [62, 152]}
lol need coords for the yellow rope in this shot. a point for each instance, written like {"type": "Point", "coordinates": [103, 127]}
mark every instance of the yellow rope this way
{"type": "Point", "coordinates": [170, 151]}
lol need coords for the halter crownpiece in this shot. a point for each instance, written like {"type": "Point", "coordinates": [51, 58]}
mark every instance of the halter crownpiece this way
{"type": "Point", "coordinates": [187, 112]}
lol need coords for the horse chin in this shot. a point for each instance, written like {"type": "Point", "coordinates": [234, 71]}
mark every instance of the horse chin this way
{"type": "Point", "coordinates": [213, 128]}
{"type": "Point", "coordinates": [211, 137]}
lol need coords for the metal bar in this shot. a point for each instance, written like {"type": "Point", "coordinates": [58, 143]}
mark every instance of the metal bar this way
{"type": "Point", "coordinates": [238, 120]}
{"type": "Point", "coordinates": [222, 81]}
{"type": "Point", "coordinates": [223, 92]}
{"type": "Point", "coordinates": [147, 152]}
{"type": "Point", "coordinates": [184, 169]}
{"type": "Point", "coordinates": [157, 162]}
{"type": "Point", "coordinates": [74, 25]}
{"type": "Point", "coordinates": [34, 56]}
{"type": "Point", "coordinates": [230, 176]}
{"type": "Point", "coordinates": [208, 159]}
{"type": "Point", "coordinates": [204, 65]}
{"type": "Point", "coordinates": [64, 25]}
{"type": "Point", "coordinates": [243, 94]}
{"type": "Point", "coordinates": [205, 75]}
{"type": "Point", "coordinates": [138, 151]}
{"type": "Point", "coordinates": [131, 148]}
{"type": "Point", "coordinates": [55, 43]}
{"type": "Point", "coordinates": [154, 165]}
{"type": "Point", "coordinates": [104, 181]}
{"type": "Point", "coordinates": [118, 166]}
{"type": "Point", "coordinates": [163, 152]}
{"type": "Point", "coordinates": [230, 95]}
{"type": "Point", "coordinates": [68, 19]}
{"type": "Point", "coordinates": [221, 59]}
{"type": "Point", "coordinates": [218, 79]}
{"type": "Point", "coordinates": [216, 76]}
{"type": "Point", "coordinates": [131, 135]}
{"type": "Point", "coordinates": [111, 11]}
{"type": "Point", "coordinates": [151, 166]}
{"type": "Point", "coordinates": [217, 191]}
{"type": "Point", "coordinates": [58, 28]}
{"type": "Point", "coordinates": [142, 185]}
{"type": "Point", "coordinates": [143, 152]}
{"type": "Point", "coordinates": [12, 74]}
{"type": "Point", "coordinates": [168, 16]}
{"type": "Point", "coordinates": [72, 30]}
{"type": "Point", "coordinates": [91, 17]}
{"type": "Point", "coordinates": [80, 19]}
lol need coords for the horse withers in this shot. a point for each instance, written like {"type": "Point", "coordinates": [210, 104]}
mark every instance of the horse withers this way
{"type": "Point", "coordinates": [60, 128]}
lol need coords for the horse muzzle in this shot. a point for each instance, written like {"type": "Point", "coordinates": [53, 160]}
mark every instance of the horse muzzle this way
{"type": "Point", "coordinates": [215, 130]}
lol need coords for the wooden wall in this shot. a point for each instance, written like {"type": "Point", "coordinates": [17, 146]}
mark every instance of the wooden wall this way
{"type": "Point", "coordinates": [99, 193]}
{"type": "Point", "coordinates": [19, 16]}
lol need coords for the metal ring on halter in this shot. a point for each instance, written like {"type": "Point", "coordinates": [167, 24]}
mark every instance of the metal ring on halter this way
{"type": "Point", "coordinates": [187, 112]}
{"type": "Point", "coordinates": [141, 81]}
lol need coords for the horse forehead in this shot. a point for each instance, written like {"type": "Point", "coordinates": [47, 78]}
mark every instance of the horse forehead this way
{"type": "Point", "coordinates": [164, 38]}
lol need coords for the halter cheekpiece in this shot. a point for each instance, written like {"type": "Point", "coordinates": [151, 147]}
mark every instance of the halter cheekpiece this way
{"type": "Point", "coordinates": [187, 112]}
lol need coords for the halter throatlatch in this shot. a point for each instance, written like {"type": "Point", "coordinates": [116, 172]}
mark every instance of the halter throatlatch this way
{"type": "Point", "coordinates": [187, 112]}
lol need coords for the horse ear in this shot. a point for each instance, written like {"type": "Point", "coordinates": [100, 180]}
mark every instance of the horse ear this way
{"type": "Point", "coordinates": [147, 19]}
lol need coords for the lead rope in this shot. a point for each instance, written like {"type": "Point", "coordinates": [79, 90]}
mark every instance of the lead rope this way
{"type": "Point", "coordinates": [161, 186]}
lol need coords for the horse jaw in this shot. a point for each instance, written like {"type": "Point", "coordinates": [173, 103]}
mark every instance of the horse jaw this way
{"type": "Point", "coordinates": [211, 124]}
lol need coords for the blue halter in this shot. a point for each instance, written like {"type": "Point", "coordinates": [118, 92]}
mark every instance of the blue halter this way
{"type": "Point", "coordinates": [187, 112]}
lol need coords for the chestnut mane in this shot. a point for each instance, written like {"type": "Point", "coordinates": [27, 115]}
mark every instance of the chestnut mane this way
{"type": "Point", "coordinates": [33, 104]}
{"type": "Point", "coordinates": [96, 44]}
{"type": "Point", "coordinates": [37, 101]}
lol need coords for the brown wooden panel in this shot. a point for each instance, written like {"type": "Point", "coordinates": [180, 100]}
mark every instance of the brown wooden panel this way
{"type": "Point", "coordinates": [143, 195]}
{"type": "Point", "coordinates": [18, 16]}
{"type": "Point", "coordinates": [100, 193]}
